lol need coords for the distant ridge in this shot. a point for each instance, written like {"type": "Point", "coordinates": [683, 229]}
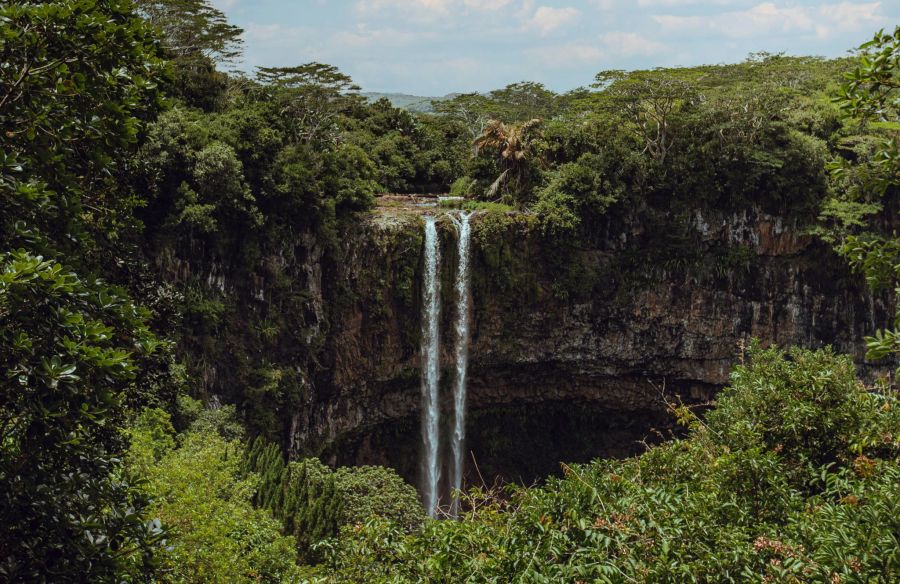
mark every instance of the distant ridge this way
{"type": "Point", "coordinates": [413, 103]}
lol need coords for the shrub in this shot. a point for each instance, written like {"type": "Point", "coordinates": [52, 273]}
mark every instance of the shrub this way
{"type": "Point", "coordinates": [807, 407]}
{"type": "Point", "coordinates": [204, 501]}
{"type": "Point", "coordinates": [375, 491]}
{"type": "Point", "coordinates": [793, 478]}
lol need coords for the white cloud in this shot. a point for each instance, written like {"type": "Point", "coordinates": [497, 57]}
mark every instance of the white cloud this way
{"type": "Point", "coordinates": [385, 37]}
{"type": "Point", "coordinates": [263, 32]}
{"type": "Point", "coordinates": [630, 44]}
{"type": "Point", "coordinates": [767, 19]}
{"type": "Point", "coordinates": [679, 3]}
{"type": "Point", "coordinates": [486, 5]}
{"type": "Point", "coordinates": [432, 8]}
{"type": "Point", "coordinates": [415, 8]}
{"type": "Point", "coordinates": [547, 19]}
{"type": "Point", "coordinates": [567, 55]}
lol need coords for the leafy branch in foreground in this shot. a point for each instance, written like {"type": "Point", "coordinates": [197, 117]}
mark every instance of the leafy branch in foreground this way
{"type": "Point", "coordinates": [867, 188]}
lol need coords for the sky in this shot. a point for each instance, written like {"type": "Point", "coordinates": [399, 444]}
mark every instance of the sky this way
{"type": "Point", "coordinates": [435, 47]}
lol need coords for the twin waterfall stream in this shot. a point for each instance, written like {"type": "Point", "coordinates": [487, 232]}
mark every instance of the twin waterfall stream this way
{"type": "Point", "coordinates": [431, 365]}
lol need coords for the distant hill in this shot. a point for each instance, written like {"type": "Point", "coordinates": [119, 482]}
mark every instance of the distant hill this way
{"type": "Point", "coordinates": [413, 103]}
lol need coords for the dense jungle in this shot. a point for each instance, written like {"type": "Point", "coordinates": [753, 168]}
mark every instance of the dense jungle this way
{"type": "Point", "coordinates": [258, 326]}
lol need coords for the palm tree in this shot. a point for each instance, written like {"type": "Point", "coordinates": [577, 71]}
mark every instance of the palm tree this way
{"type": "Point", "coordinates": [518, 145]}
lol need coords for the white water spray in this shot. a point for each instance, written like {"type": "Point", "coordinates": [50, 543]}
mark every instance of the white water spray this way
{"type": "Point", "coordinates": [431, 366]}
{"type": "Point", "coordinates": [457, 440]}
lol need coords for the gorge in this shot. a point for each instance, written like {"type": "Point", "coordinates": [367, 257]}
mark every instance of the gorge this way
{"type": "Point", "coordinates": [572, 356]}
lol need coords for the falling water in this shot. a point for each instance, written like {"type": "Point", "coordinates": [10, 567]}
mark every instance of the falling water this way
{"type": "Point", "coordinates": [457, 440]}
{"type": "Point", "coordinates": [431, 365]}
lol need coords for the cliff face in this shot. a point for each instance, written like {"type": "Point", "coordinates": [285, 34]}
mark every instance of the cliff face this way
{"type": "Point", "coordinates": [575, 347]}
{"type": "Point", "coordinates": [583, 338]}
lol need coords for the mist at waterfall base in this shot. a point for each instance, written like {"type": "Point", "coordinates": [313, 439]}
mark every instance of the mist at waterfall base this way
{"type": "Point", "coordinates": [431, 451]}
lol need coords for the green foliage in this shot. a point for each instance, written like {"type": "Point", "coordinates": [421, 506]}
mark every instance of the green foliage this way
{"type": "Point", "coordinates": [193, 29]}
{"type": "Point", "coordinates": [195, 35]}
{"type": "Point", "coordinates": [70, 354]}
{"type": "Point", "coordinates": [517, 102]}
{"type": "Point", "coordinates": [866, 178]}
{"type": "Point", "coordinates": [751, 134]}
{"type": "Point", "coordinates": [314, 502]}
{"type": "Point", "coordinates": [871, 88]}
{"type": "Point", "coordinates": [201, 494]}
{"type": "Point", "coordinates": [462, 187]}
{"type": "Point", "coordinates": [303, 495]}
{"type": "Point", "coordinates": [375, 491]}
{"type": "Point", "coordinates": [68, 120]}
{"type": "Point", "coordinates": [78, 81]}
{"type": "Point", "coordinates": [221, 420]}
{"type": "Point", "coordinates": [518, 149]}
{"type": "Point", "coordinates": [151, 436]}
{"type": "Point", "coordinates": [807, 406]}
{"type": "Point", "coordinates": [575, 190]}
{"type": "Point", "coordinates": [793, 479]}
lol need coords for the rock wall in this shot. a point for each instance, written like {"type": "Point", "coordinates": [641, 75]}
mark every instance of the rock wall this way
{"type": "Point", "coordinates": [616, 326]}
{"type": "Point", "coordinates": [589, 337]}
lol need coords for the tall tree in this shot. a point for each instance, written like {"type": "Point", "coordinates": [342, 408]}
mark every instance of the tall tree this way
{"type": "Point", "coordinates": [472, 109]}
{"type": "Point", "coordinates": [519, 147]}
{"type": "Point", "coordinates": [649, 99]}
{"type": "Point", "coordinates": [523, 101]}
{"type": "Point", "coordinates": [311, 97]}
{"type": "Point", "coordinates": [194, 29]}
{"type": "Point", "coordinates": [77, 79]}
{"type": "Point", "coordinates": [197, 37]}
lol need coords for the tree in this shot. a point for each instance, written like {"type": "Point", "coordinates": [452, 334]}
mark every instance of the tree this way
{"type": "Point", "coordinates": [519, 147]}
{"type": "Point", "coordinates": [199, 489]}
{"type": "Point", "coordinates": [77, 81]}
{"type": "Point", "coordinates": [194, 30]}
{"type": "Point", "coordinates": [302, 494]}
{"type": "Point", "coordinates": [310, 96]}
{"type": "Point", "coordinates": [649, 99]}
{"type": "Point", "coordinates": [522, 101]}
{"type": "Point", "coordinates": [196, 36]}
{"type": "Point", "coordinates": [868, 188]}
{"type": "Point", "coordinates": [472, 109]}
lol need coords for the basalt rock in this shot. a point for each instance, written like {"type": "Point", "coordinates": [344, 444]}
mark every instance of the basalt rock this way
{"type": "Point", "coordinates": [583, 337]}
{"type": "Point", "coordinates": [577, 346]}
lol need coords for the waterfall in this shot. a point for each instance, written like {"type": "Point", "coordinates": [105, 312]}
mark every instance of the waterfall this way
{"type": "Point", "coordinates": [461, 358]}
{"type": "Point", "coordinates": [431, 366]}
{"type": "Point", "coordinates": [431, 344]}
